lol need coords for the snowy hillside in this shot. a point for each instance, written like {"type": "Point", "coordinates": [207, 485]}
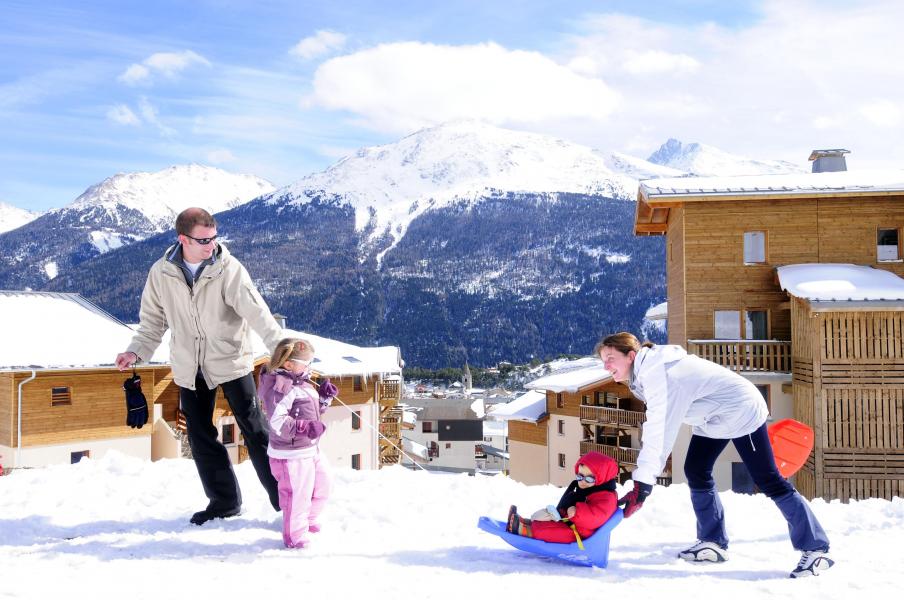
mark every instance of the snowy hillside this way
{"type": "Point", "coordinates": [390, 185]}
{"type": "Point", "coordinates": [161, 195]}
{"type": "Point", "coordinates": [702, 160]}
{"type": "Point", "coordinates": [118, 527]}
{"type": "Point", "coordinates": [12, 217]}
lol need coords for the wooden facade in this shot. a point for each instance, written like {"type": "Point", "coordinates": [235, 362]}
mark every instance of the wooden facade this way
{"type": "Point", "coordinates": [849, 386]}
{"type": "Point", "coordinates": [529, 433]}
{"type": "Point", "coordinates": [847, 364]}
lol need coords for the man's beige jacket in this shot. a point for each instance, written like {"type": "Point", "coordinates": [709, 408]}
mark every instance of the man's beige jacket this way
{"type": "Point", "coordinates": [209, 323]}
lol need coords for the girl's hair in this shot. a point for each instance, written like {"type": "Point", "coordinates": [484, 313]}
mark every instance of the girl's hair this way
{"type": "Point", "coordinates": [290, 348]}
{"type": "Point", "coordinates": [622, 341]}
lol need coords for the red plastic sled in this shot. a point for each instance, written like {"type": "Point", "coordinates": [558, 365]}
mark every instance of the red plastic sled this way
{"type": "Point", "coordinates": [792, 442]}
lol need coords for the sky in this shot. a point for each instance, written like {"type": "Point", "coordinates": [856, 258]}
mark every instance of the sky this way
{"type": "Point", "coordinates": [117, 526]}
{"type": "Point", "coordinates": [284, 88]}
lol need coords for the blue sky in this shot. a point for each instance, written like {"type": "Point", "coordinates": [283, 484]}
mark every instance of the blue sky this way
{"type": "Point", "coordinates": [283, 88]}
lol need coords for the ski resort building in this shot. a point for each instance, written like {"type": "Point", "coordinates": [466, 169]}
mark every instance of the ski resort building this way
{"type": "Point", "coordinates": [794, 281]}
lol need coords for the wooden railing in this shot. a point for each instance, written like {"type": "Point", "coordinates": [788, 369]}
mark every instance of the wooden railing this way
{"type": "Point", "coordinates": [390, 429]}
{"type": "Point", "coordinates": [389, 390]}
{"type": "Point", "coordinates": [612, 416]}
{"type": "Point", "coordinates": [745, 355]}
{"type": "Point", "coordinates": [624, 456]}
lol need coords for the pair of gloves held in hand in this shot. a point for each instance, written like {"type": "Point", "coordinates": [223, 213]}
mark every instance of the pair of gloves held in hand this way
{"type": "Point", "coordinates": [327, 390]}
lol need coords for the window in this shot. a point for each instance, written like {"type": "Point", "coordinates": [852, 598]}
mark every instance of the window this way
{"type": "Point", "coordinates": [888, 244]}
{"type": "Point", "coordinates": [74, 457]}
{"type": "Point", "coordinates": [479, 452]}
{"type": "Point", "coordinates": [433, 450]}
{"type": "Point", "coordinates": [229, 433]}
{"type": "Point", "coordinates": [560, 400]}
{"type": "Point", "coordinates": [727, 324]}
{"type": "Point", "coordinates": [356, 420]}
{"type": "Point", "coordinates": [356, 462]}
{"type": "Point", "coordinates": [561, 461]}
{"type": "Point", "coordinates": [561, 427]}
{"type": "Point", "coordinates": [427, 427]}
{"type": "Point", "coordinates": [754, 247]}
{"type": "Point", "coordinates": [585, 400]}
{"type": "Point", "coordinates": [60, 396]}
{"type": "Point", "coordinates": [448, 445]}
{"type": "Point", "coordinates": [359, 384]}
{"type": "Point", "coordinates": [756, 325]}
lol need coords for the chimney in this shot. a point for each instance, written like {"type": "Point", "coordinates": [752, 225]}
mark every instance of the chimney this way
{"type": "Point", "coordinates": [280, 320]}
{"type": "Point", "coordinates": [825, 161]}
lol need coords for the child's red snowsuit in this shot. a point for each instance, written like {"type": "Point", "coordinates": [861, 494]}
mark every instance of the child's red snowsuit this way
{"type": "Point", "coordinates": [590, 514]}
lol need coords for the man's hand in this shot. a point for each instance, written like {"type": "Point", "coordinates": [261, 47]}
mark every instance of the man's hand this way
{"type": "Point", "coordinates": [124, 360]}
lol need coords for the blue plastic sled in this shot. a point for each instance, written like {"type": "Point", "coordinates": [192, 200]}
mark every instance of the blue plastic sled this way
{"type": "Point", "coordinates": [594, 554]}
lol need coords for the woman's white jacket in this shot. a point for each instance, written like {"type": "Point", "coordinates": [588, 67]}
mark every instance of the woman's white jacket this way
{"type": "Point", "coordinates": [677, 388]}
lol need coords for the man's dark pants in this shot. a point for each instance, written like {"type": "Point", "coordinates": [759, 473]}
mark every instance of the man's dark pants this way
{"type": "Point", "coordinates": [211, 457]}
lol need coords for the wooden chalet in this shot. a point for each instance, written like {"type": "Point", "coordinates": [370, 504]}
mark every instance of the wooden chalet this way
{"type": "Point", "coordinates": [837, 365]}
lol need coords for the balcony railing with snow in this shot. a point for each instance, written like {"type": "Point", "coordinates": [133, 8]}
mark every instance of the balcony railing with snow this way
{"type": "Point", "coordinates": [623, 456]}
{"type": "Point", "coordinates": [745, 355]}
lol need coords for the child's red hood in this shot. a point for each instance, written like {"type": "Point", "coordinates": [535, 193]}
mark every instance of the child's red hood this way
{"type": "Point", "coordinates": [603, 467]}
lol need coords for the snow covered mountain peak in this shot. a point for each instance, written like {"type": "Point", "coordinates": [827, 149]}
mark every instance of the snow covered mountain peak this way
{"type": "Point", "coordinates": [392, 184]}
{"type": "Point", "coordinates": [703, 160]}
{"type": "Point", "coordinates": [161, 195]}
{"type": "Point", "coordinates": [12, 217]}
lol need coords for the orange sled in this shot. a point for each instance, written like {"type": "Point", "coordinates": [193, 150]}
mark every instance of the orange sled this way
{"type": "Point", "coordinates": [792, 442]}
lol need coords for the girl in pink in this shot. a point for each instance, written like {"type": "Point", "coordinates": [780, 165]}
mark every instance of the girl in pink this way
{"type": "Point", "coordinates": [293, 406]}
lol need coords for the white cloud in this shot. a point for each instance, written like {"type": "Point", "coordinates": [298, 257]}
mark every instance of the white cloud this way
{"type": "Point", "coordinates": [149, 114]}
{"type": "Point", "coordinates": [220, 156]}
{"type": "Point", "coordinates": [657, 61]}
{"type": "Point", "coordinates": [882, 112]}
{"type": "Point", "coordinates": [123, 115]}
{"type": "Point", "coordinates": [168, 64]}
{"type": "Point", "coordinates": [404, 86]}
{"type": "Point", "coordinates": [322, 42]}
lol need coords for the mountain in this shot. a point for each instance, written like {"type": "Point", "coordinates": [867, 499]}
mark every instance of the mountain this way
{"type": "Point", "coordinates": [462, 242]}
{"type": "Point", "coordinates": [12, 217]}
{"type": "Point", "coordinates": [703, 161]}
{"type": "Point", "coordinates": [116, 212]}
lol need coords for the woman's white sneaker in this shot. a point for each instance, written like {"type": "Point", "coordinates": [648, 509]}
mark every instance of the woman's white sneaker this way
{"type": "Point", "coordinates": [702, 552]}
{"type": "Point", "coordinates": [811, 563]}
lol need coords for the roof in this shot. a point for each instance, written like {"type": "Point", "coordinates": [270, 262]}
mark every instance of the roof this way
{"type": "Point", "coordinates": [55, 330]}
{"type": "Point", "coordinates": [842, 285]}
{"type": "Point", "coordinates": [576, 375]}
{"type": "Point", "coordinates": [656, 196]}
{"type": "Point", "coordinates": [527, 407]}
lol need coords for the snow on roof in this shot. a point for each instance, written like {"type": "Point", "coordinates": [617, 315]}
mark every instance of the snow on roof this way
{"type": "Point", "coordinates": [573, 376]}
{"type": "Point", "coordinates": [414, 449]}
{"type": "Point", "coordinates": [54, 330]}
{"type": "Point", "coordinates": [891, 180]}
{"type": "Point", "coordinates": [840, 282]}
{"type": "Point", "coordinates": [478, 408]}
{"type": "Point", "coordinates": [658, 312]}
{"type": "Point", "coordinates": [493, 428]}
{"type": "Point", "coordinates": [527, 407]}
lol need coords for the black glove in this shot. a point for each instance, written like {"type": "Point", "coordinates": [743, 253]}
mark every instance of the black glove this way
{"type": "Point", "coordinates": [633, 500]}
{"type": "Point", "coordinates": [136, 404]}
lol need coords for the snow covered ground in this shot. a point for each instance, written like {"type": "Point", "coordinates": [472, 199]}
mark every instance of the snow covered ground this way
{"type": "Point", "coordinates": [118, 527]}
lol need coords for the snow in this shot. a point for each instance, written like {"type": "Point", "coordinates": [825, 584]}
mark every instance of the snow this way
{"type": "Point", "coordinates": [657, 312]}
{"type": "Point", "coordinates": [161, 195]}
{"type": "Point", "coordinates": [573, 376]}
{"type": "Point", "coordinates": [105, 241]}
{"type": "Point", "coordinates": [478, 408]}
{"type": "Point", "coordinates": [840, 282]}
{"type": "Point", "coordinates": [527, 407]}
{"type": "Point", "coordinates": [414, 449]}
{"type": "Point", "coordinates": [889, 180]}
{"type": "Point", "coordinates": [617, 258]}
{"type": "Point", "coordinates": [13, 217]}
{"type": "Point", "coordinates": [704, 160]}
{"type": "Point", "coordinates": [57, 330]}
{"type": "Point", "coordinates": [118, 527]}
{"type": "Point", "coordinates": [391, 185]}
{"type": "Point", "coordinates": [51, 269]}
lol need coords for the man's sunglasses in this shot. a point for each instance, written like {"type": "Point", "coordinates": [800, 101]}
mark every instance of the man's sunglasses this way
{"type": "Point", "coordinates": [202, 241]}
{"type": "Point", "coordinates": [588, 478]}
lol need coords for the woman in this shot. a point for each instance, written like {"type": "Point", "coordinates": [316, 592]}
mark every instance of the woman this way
{"type": "Point", "coordinates": [722, 407]}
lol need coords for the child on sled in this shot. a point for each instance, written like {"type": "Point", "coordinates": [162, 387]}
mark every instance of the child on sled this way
{"type": "Point", "coordinates": [586, 505]}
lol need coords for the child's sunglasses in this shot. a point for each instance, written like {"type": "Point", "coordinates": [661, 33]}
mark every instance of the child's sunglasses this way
{"type": "Point", "coordinates": [588, 478]}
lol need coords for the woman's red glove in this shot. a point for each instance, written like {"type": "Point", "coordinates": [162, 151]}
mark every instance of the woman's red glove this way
{"type": "Point", "coordinates": [633, 500]}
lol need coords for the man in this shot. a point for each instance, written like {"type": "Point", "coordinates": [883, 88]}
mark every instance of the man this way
{"type": "Point", "coordinates": [207, 300]}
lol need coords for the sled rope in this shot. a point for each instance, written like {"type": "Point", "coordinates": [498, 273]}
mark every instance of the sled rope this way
{"type": "Point", "coordinates": [377, 431]}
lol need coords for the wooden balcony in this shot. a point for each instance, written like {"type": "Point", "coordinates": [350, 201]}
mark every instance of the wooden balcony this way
{"type": "Point", "coordinates": [390, 429]}
{"type": "Point", "coordinates": [389, 393]}
{"type": "Point", "coordinates": [602, 415]}
{"type": "Point", "coordinates": [772, 356]}
{"type": "Point", "coordinates": [623, 456]}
